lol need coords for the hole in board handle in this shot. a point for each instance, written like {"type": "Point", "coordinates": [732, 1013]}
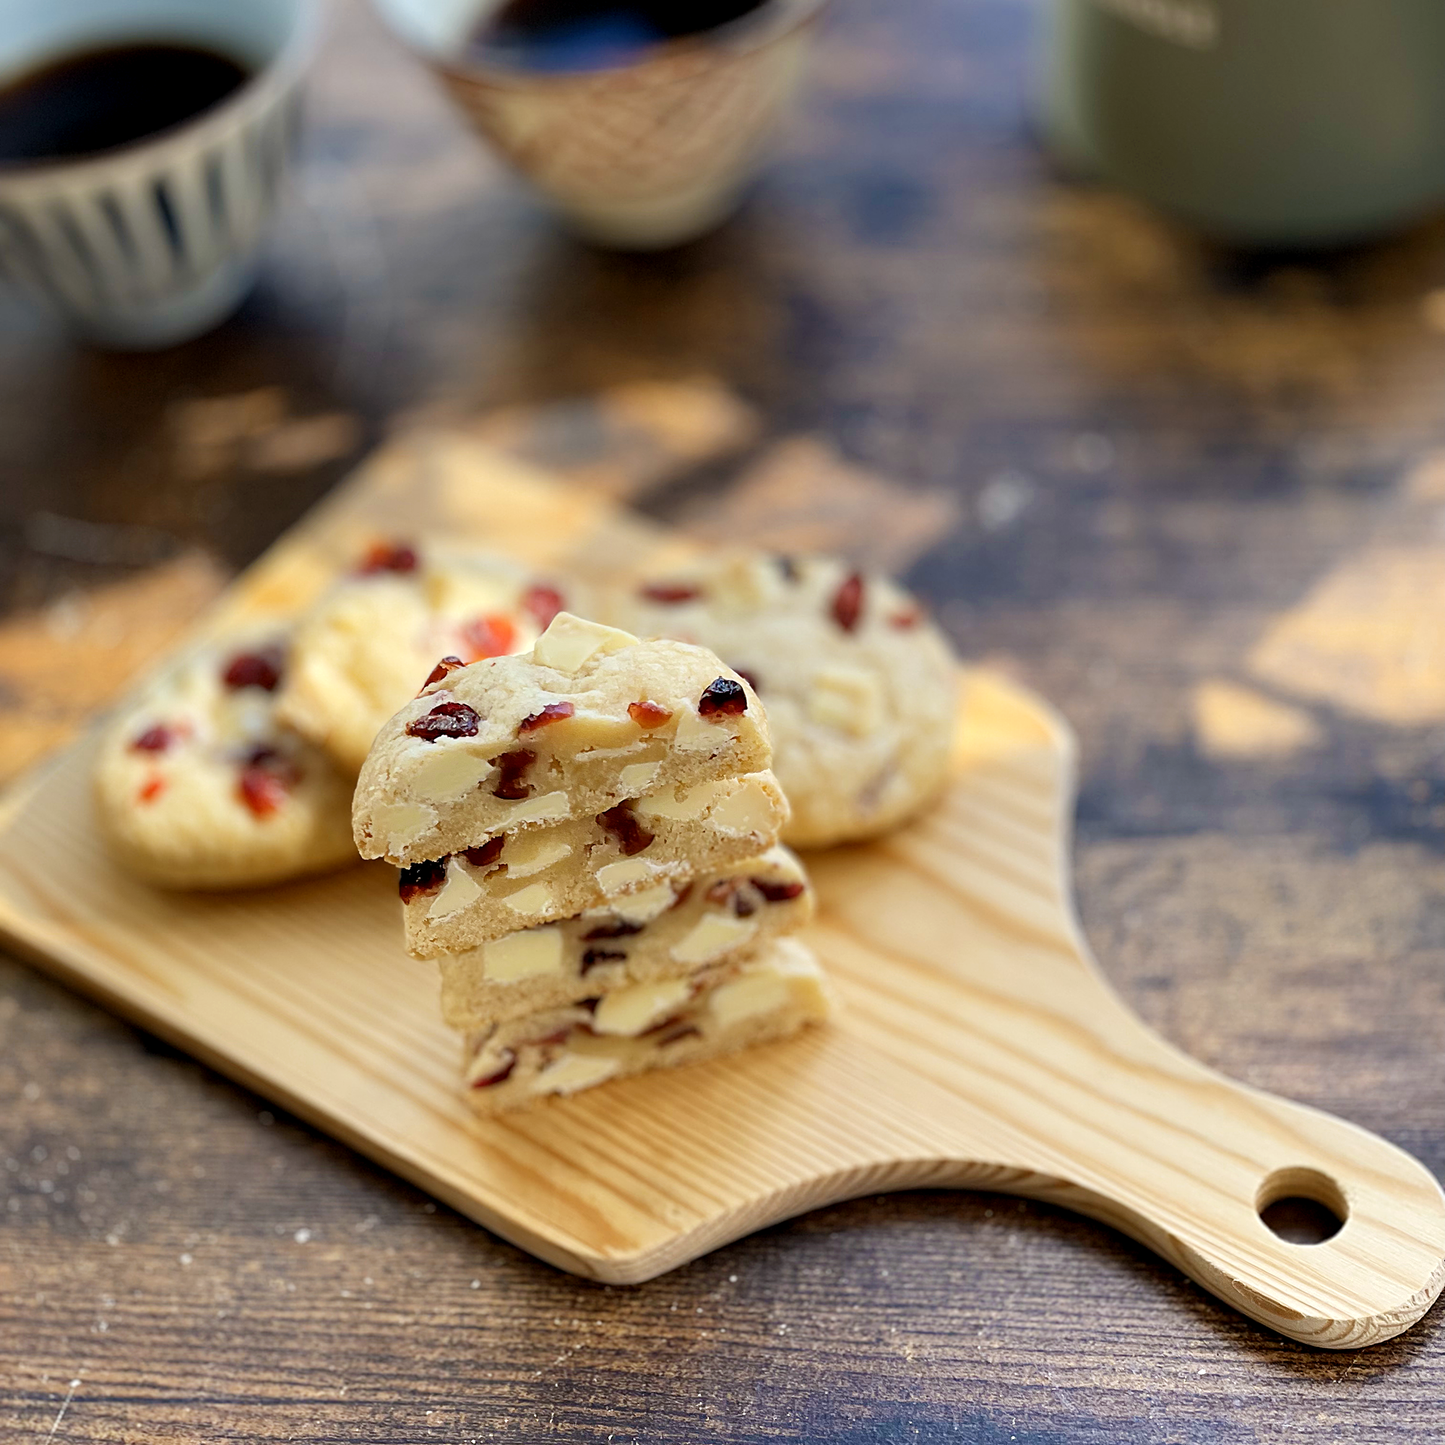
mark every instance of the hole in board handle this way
{"type": "Point", "coordinates": [1302, 1206]}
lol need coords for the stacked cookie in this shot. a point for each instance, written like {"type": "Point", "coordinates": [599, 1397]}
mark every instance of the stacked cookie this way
{"type": "Point", "coordinates": [587, 835]}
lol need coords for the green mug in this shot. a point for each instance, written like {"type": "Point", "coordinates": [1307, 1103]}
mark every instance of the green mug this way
{"type": "Point", "coordinates": [1262, 122]}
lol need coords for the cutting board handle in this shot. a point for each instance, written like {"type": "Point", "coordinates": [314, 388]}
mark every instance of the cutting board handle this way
{"type": "Point", "coordinates": [1108, 1117]}
{"type": "Point", "coordinates": [1187, 1161]}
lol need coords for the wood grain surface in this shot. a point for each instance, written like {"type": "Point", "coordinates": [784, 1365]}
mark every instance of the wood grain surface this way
{"type": "Point", "coordinates": [1159, 456]}
{"type": "Point", "coordinates": [980, 1045]}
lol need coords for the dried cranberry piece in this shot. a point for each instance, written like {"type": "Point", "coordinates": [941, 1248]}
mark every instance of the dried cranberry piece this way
{"type": "Point", "coordinates": [152, 788]}
{"type": "Point", "coordinates": [621, 822]}
{"type": "Point", "coordinates": [387, 557]}
{"type": "Point", "coordinates": [485, 854]}
{"type": "Point", "coordinates": [261, 668]}
{"type": "Point", "coordinates": [722, 698]}
{"type": "Point", "coordinates": [445, 720]}
{"type": "Point", "coordinates": [733, 893]}
{"type": "Point", "coordinates": [671, 1022]}
{"type": "Point", "coordinates": [419, 878]}
{"type": "Point", "coordinates": [448, 664]}
{"type": "Point", "coordinates": [490, 636]}
{"type": "Point", "coordinates": [543, 603]}
{"type": "Point", "coordinates": [906, 620]}
{"type": "Point", "coordinates": [617, 928]}
{"type": "Point", "coordinates": [777, 892]}
{"type": "Point", "coordinates": [154, 740]}
{"type": "Point", "coordinates": [670, 592]}
{"type": "Point", "coordinates": [677, 1035]}
{"type": "Point", "coordinates": [648, 715]}
{"type": "Point", "coordinates": [553, 712]}
{"type": "Point", "coordinates": [508, 1063]}
{"type": "Point", "coordinates": [594, 956]}
{"type": "Point", "coordinates": [848, 602]}
{"type": "Point", "coordinates": [262, 789]}
{"type": "Point", "coordinates": [267, 777]}
{"type": "Point", "coordinates": [511, 766]}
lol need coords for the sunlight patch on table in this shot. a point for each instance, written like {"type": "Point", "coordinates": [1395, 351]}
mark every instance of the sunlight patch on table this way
{"type": "Point", "coordinates": [1231, 722]}
{"type": "Point", "coordinates": [1368, 638]}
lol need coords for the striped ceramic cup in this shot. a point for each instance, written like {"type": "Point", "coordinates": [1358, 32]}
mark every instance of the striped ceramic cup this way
{"type": "Point", "coordinates": [156, 241]}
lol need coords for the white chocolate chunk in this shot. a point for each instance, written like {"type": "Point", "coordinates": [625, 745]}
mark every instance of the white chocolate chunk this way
{"type": "Point", "coordinates": [598, 755]}
{"type": "Point", "coordinates": [527, 854]}
{"type": "Point", "coordinates": [573, 1072]}
{"type": "Point", "coordinates": [796, 964]}
{"type": "Point", "coordinates": [531, 900]}
{"type": "Point", "coordinates": [748, 809]}
{"type": "Point", "coordinates": [793, 960]}
{"type": "Point", "coordinates": [399, 824]}
{"type": "Point", "coordinates": [746, 584]}
{"type": "Point", "coordinates": [780, 856]}
{"type": "Point", "coordinates": [693, 803]}
{"type": "Point", "coordinates": [760, 990]}
{"type": "Point", "coordinates": [570, 641]}
{"type": "Point", "coordinates": [549, 808]}
{"type": "Point", "coordinates": [597, 734]}
{"type": "Point", "coordinates": [459, 891]}
{"type": "Point", "coordinates": [636, 776]}
{"type": "Point", "coordinates": [712, 936]}
{"type": "Point", "coordinates": [847, 698]}
{"type": "Point", "coordinates": [246, 714]}
{"type": "Point", "coordinates": [695, 735]}
{"type": "Point", "coordinates": [467, 592]}
{"type": "Point", "coordinates": [614, 877]}
{"type": "Point", "coordinates": [808, 990]}
{"type": "Point", "coordinates": [526, 954]}
{"type": "Point", "coordinates": [445, 774]}
{"type": "Point", "coordinates": [484, 1066]}
{"type": "Point", "coordinates": [630, 1011]}
{"type": "Point", "coordinates": [644, 906]}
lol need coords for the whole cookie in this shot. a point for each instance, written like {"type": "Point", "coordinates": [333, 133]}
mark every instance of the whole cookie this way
{"type": "Point", "coordinates": [197, 785]}
{"type": "Point", "coordinates": [860, 687]}
{"type": "Point", "coordinates": [369, 644]}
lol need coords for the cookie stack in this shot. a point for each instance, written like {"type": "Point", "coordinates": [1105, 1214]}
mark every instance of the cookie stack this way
{"type": "Point", "coordinates": [588, 839]}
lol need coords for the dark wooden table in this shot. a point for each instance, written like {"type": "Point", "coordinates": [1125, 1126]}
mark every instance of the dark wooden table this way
{"type": "Point", "coordinates": [1190, 496]}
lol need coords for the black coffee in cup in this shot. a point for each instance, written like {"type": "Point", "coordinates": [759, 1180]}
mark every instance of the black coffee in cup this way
{"type": "Point", "coordinates": [96, 100]}
{"type": "Point", "coordinates": [572, 35]}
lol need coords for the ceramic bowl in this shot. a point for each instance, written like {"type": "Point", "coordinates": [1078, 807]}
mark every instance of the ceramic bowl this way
{"type": "Point", "coordinates": [157, 241]}
{"type": "Point", "coordinates": [638, 155]}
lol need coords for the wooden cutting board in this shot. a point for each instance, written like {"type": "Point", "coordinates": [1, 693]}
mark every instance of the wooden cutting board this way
{"type": "Point", "coordinates": [980, 1047]}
